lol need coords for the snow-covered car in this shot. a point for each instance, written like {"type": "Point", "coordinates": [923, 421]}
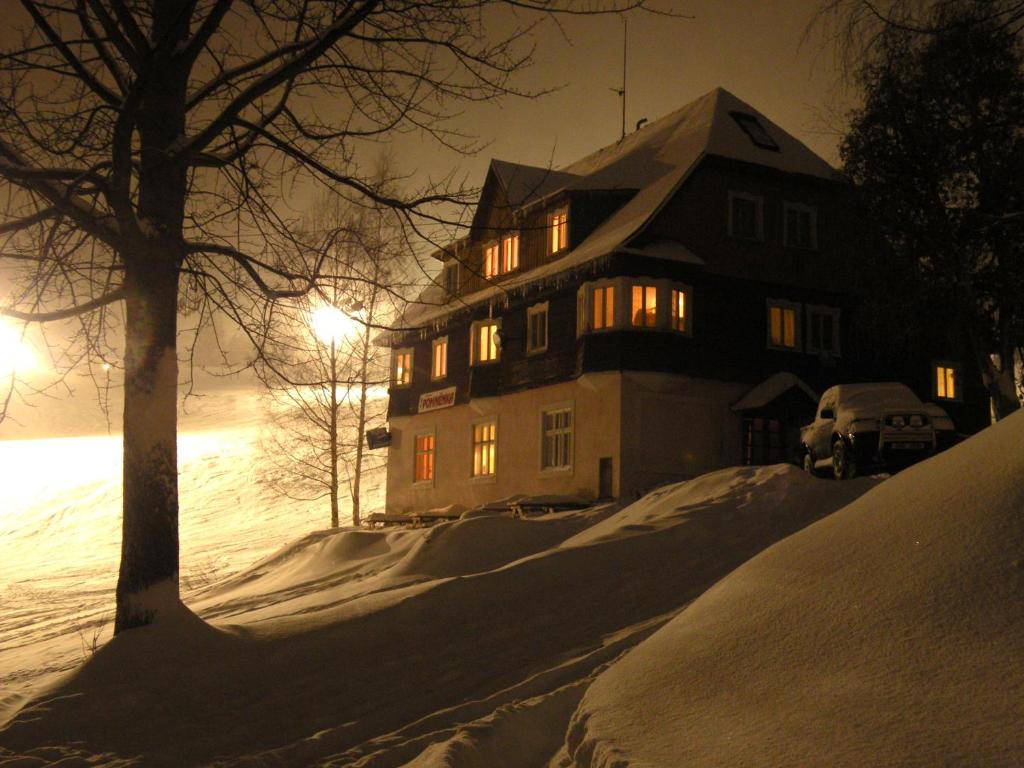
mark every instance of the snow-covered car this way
{"type": "Point", "coordinates": [878, 425]}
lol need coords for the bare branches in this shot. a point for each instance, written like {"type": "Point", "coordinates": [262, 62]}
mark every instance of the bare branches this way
{"type": "Point", "coordinates": [64, 314]}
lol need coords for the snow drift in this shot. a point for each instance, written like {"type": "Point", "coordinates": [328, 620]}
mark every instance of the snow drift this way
{"type": "Point", "coordinates": [890, 633]}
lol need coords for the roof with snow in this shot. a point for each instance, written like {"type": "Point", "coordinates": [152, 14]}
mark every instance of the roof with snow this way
{"type": "Point", "coordinates": [653, 161]}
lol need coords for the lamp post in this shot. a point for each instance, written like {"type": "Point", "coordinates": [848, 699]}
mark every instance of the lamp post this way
{"type": "Point", "coordinates": [330, 326]}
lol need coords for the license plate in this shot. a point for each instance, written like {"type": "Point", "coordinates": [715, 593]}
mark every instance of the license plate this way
{"type": "Point", "coordinates": [907, 446]}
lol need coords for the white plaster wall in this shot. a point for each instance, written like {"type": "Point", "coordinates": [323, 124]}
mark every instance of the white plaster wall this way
{"type": "Point", "coordinates": [675, 428]}
{"type": "Point", "coordinates": [596, 400]}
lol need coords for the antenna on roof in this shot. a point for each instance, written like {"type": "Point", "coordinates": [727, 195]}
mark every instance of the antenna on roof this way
{"type": "Point", "coordinates": [622, 91]}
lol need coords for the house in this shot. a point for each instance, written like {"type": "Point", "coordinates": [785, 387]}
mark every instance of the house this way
{"type": "Point", "coordinates": [668, 305]}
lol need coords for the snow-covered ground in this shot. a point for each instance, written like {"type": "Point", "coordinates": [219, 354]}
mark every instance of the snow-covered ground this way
{"type": "Point", "coordinates": [60, 529]}
{"type": "Point", "coordinates": [671, 632]}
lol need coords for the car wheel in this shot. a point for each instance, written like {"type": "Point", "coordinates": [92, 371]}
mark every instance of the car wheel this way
{"type": "Point", "coordinates": [809, 464]}
{"type": "Point", "coordinates": [844, 466]}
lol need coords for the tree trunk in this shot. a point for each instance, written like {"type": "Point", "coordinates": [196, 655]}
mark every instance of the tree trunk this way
{"type": "Point", "coordinates": [335, 518]}
{"type": "Point", "coordinates": [361, 423]}
{"type": "Point", "coordinates": [148, 579]}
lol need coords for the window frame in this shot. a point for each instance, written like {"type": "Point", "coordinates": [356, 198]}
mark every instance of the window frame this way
{"type": "Point", "coordinates": [474, 351]}
{"type": "Point", "coordinates": [758, 202]}
{"type": "Point", "coordinates": [958, 388]}
{"type": "Point", "coordinates": [508, 237]}
{"type": "Point", "coordinates": [645, 290]}
{"type": "Point", "coordinates": [439, 341]}
{"type": "Point", "coordinates": [551, 408]}
{"type": "Point", "coordinates": [687, 292]}
{"type": "Point", "coordinates": [784, 304]}
{"type": "Point", "coordinates": [788, 206]}
{"type": "Point", "coordinates": [751, 126]}
{"type": "Point", "coordinates": [603, 287]}
{"type": "Point", "coordinates": [538, 309]}
{"type": "Point", "coordinates": [395, 354]}
{"type": "Point", "coordinates": [493, 474]}
{"type": "Point", "coordinates": [451, 287]}
{"type": "Point", "coordinates": [821, 310]}
{"type": "Point", "coordinates": [562, 227]}
{"type": "Point", "coordinates": [416, 453]}
{"type": "Point", "coordinates": [489, 248]}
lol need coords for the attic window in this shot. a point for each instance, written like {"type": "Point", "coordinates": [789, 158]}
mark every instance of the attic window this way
{"type": "Point", "coordinates": [755, 131]}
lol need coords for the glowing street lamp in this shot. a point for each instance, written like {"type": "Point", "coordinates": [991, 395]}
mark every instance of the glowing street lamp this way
{"type": "Point", "coordinates": [16, 354]}
{"type": "Point", "coordinates": [331, 325]}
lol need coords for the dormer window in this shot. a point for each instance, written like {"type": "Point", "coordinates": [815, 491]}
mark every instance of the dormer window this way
{"type": "Point", "coordinates": [450, 278]}
{"type": "Point", "coordinates": [558, 231]}
{"type": "Point", "coordinates": [510, 252]}
{"type": "Point", "coordinates": [491, 262]}
{"type": "Point", "coordinates": [756, 132]}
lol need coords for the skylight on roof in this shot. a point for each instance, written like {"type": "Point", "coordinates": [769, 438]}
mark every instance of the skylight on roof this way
{"type": "Point", "coordinates": [755, 131]}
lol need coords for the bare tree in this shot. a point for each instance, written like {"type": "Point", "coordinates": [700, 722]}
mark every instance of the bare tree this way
{"type": "Point", "coordinates": [324, 374]}
{"type": "Point", "coordinates": [146, 144]}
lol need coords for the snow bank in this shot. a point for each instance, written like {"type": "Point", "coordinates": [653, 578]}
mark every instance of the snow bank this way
{"type": "Point", "coordinates": [890, 633]}
{"type": "Point", "coordinates": [443, 645]}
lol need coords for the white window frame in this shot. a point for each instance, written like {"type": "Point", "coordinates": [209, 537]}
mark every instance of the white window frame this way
{"type": "Point", "coordinates": [562, 228]}
{"type": "Point", "coordinates": [453, 268]}
{"type": "Point", "coordinates": [759, 223]}
{"type": "Point", "coordinates": [644, 285]}
{"type": "Point", "coordinates": [395, 354]}
{"type": "Point", "coordinates": [531, 312]}
{"type": "Point", "coordinates": [505, 266]}
{"type": "Point", "coordinates": [802, 208]}
{"type": "Point", "coordinates": [569, 406]}
{"type": "Point", "coordinates": [797, 325]}
{"type": "Point", "coordinates": [439, 341]}
{"type": "Point", "coordinates": [958, 383]}
{"type": "Point", "coordinates": [432, 434]}
{"type": "Point", "coordinates": [617, 292]}
{"type": "Point", "coordinates": [473, 349]}
{"type": "Point", "coordinates": [493, 474]}
{"type": "Point", "coordinates": [819, 310]}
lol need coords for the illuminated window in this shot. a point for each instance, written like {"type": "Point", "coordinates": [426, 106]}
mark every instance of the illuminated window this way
{"type": "Point", "coordinates": [485, 448]}
{"type": "Point", "coordinates": [424, 461]}
{"type": "Point", "coordinates": [509, 253]}
{"type": "Point", "coordinates": [439, 358]}
{"type": "Point", "coordinates": [745, 216]}
{"type": "Point", "coordinates": [679, 317]}
{"type": "Point", "coordinates": [401, 368]}
{"type": "Point", "coordinates": [947, 381]}
{"type": "Point", "coordinates": [823, 330]}
{"type": "Point", "coordinates": [783, 325]}
{"type": "Point", "coordinates": [645, 305]}
{"type": "Point", "coordinates": [799, 226]}
{"type": "Point", "coordinates": [491, 262]}
{"type": "Point", "coordinates": [483, 342]}
{"type": "Point", "coordinates": [556, 439]}
{"type": "Point", "coordinates": [559, 231]}
{"type": "Point", "coordinates": [537, 328]}
{"type": "Point", "coordinates": [603, 301]}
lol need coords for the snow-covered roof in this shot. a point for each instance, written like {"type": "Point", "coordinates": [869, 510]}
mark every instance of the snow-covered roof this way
{"type": "Point", "coordinates": [768, 390]}
{"type": "Point", "coordinates": [654, 161]}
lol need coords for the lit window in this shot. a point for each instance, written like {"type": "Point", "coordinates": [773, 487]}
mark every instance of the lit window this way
{"type": "Point", "coordinates": [604, 307]}
{"type": "Point", "coordinates": [424, 462]}
{"type": "Point", "coordinates": [559, 237]}
{"type": "Point", "coordinates": [745, 216]}
{"type": "Point", "coordinates": [947, 382]}
{"type": "Point", "coordinates": [537, 328]}
{"type": "Point", "coordinates": [645, 310]}
{"type": "Point", "coordinates": [823, 330]}
{"type": "Point", "coordinates": [799, 226]}
{"type": "Point", "coordinates": [485, 448]}
{"type": "Point", "coordinates": [679, 310]}
{"type": "Point", "coordinates": [556, 442]}
{"type": "Point", "coordinates": [401, 368]}
{"type": "Point", "coordinates": [509, 253]}
{"type": "Point", "coordinates": [783, 326]}
{"type": "Point", "coordinates": [483, 342]}
{"type": "Point", "coordinates": [439, 358]}
{"type": "Point", "coordinates": [491, 261]}
{"type": "Point", "coordinates": [756, 132]}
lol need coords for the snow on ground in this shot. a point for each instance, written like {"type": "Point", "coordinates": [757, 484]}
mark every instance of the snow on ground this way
{"type": "Point", "coordinates": [467, 644]}
{"type": "Point", "coordinates": [890, 633]}
{"type": "Point", "coordinates": [60, 529]}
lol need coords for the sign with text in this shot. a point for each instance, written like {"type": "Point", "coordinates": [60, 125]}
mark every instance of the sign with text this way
{"type": "Point", "coordinates": [435, 401]}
